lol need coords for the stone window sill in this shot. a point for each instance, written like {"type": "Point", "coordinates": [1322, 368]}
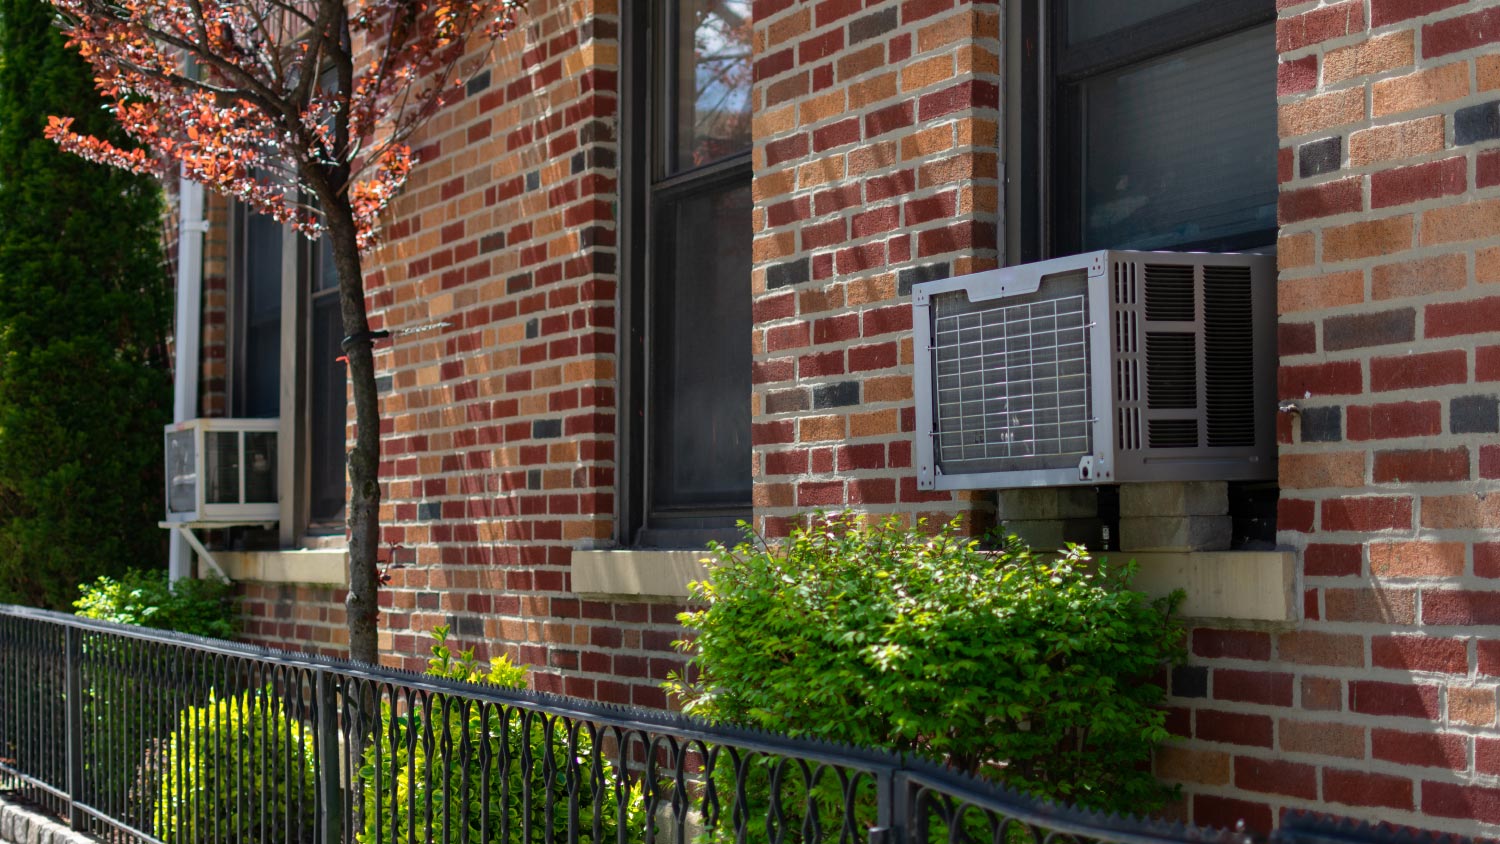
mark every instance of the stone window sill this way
{"type": "Point", "coordinates": [312, 566]}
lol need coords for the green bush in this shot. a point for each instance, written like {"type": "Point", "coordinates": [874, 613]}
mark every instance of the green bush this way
{"type": "Point", "coordinates": [237, 769]}
{"type": "Point", "coordinates": [149, 599]}
{"type": "Point", "coordinates": [1026, 669]}
{"type": "Point", "coordinates": [429, 786]}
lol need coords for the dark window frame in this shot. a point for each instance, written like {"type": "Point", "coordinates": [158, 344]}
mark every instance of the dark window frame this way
{"type": "Point", "coordinates": [649, 184]}
{"type": "Point", "coordinates": [1043, 194]}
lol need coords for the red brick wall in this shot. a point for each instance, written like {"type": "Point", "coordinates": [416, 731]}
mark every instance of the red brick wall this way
{"type": "Point", "coordinates": [1381, 702]}
{"type": "Point", "coordinates": [876, 165]}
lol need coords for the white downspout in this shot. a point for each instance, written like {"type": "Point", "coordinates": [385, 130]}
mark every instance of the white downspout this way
{"type": "Point", "coordinates": [189, 332]}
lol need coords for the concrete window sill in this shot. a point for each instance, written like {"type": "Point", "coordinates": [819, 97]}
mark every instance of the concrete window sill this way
{"type": "Point", "coordinates": [313, 566]}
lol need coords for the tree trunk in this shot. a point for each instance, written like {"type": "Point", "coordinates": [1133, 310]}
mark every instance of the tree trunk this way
{"type": "Point", "coordinates": [364, 458]}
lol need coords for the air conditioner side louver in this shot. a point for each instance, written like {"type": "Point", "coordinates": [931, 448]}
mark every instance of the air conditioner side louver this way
{"type": "Point", "coordinates": [1099, 368]}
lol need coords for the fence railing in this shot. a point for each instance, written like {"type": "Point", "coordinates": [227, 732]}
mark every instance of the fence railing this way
{"type": "Point", "coordinates": [139, 735]}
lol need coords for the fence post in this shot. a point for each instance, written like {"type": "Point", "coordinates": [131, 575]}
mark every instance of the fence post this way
{"type": "Point", "coordinates": [73, 665]}
{"type": "Point", "coordinates": [330, 792]}
{"type": "Point", "coordinates": [889, 820]}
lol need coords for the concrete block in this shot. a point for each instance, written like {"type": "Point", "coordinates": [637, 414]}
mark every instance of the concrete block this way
{"type": "Point", "coordinates": [1040, 534]}
{"type": "Point", "coordinates": [1174, 498]}
{"type": "Point", "coordinates": [1046, 503]}
{"type": "Point", "coordinates": [1176, 533]}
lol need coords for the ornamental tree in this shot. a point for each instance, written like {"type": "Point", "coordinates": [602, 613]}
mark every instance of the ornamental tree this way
{"type": "Point", "coordinates": [300, 109]}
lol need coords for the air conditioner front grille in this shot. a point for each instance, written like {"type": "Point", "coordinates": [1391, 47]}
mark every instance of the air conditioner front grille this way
{"type": "Point", "coordinates": [1171, 371]}
{"type": "Point", "coordinates": [1169, 293]}
{"type": "Point", "coordinates": [1174, 433]}
{"type": "Point", "coordinates": [1012, 381]}
{"type": "Point", "coordinates": [1228, 356]}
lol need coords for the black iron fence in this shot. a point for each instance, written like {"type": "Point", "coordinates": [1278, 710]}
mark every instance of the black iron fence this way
{"type": "Point", "coordinates": [138, 735]}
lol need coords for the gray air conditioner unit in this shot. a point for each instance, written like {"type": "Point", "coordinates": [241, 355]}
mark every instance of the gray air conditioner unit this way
{"type": "Point", "coordinates": [1102, 368]}
{"type": "Point", "coordinates": [222, 472]}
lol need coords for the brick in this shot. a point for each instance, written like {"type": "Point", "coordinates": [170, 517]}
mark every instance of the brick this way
{"type": "Point", "coordinates": [1321, 738]}
{"type": "Point", "coordinates": [1384, 12]}
{"type": "Point", "coordinates": [1315, 158]}
{"type": "Point", "coordinates": [1461, 33]}
{"type": "Point", "coordinates": [1475, 705]}
{"type": "Point", "coordinates": [1189, 681]}
{"type": "Point", "coordinates": [1416, 559]}
{"type": "Point", "coordinates": [1327, 560]}
{"type": "Point", "coordinates": [1423, 88]}
{"type": "Point", "coordinates": [1460, 512]}
{"type": "Point", "coordinates": [1227, 812]}
{"type": "Point", "coordinates": [1384, 605]}
{"type": "Point", "coordinates": [1192, 765]}
{"type": "Point", "coordinates": [1322, 292]}
{"type": "Point", "coordinates": [1296, 76]}
{"type": "Point", "coordinates": [1487, 559]}
{"type": "Point", "coordinates": [1322, 694]}
{"type": "Point", "coordinates": [1308, 647]}
{"type": "Point", "coordinates": [1476, 123]}
{"type": "Point", "coordinates": [1427, 750]}
{"type": "Point", "coordinates": [1295, 515]}
{"type": "Point", "coordinates": [1402, 700]}
{"type": "Point", "coordinates": [1367, 239]}
{"type": "Point", "coordinates": [1324, 379]}
{"type": "Point", "coordinates": [1231, 644]}
{"type": "Point", "coordinates": [1432, 180]}
{"type": "Point", "coordinates": [1233, 728]}
{"type": "Point", "coordinates": [1474, 414]}
{"type": "Point", "coordinates": [1325, 470]}
{"type": "Point", "coordinates": [1367, 513]}
{"type": "Point", "coordinates": [1460, 607]}
{"type": "Point", "coordinates": [1421, 277]}
{"type": "Point", "coordinates": [1321, 24]}
{"type": "Point", "coordinates": [1487, 363]}
{"type": "Point", "coordinates": [1420, 653]}
{"type": "Point", "coordinates": [1271, 776]}
{"type": "Point", "coordinates": [1412, 371]}
{"type": "Point", "coordinates": [1382, 53]}
{"type": "Point", "coordinates": [1396, 141]}
{"type": "Point", "coordinates": [1421, 466]}
{"type": "Point", "coordinates": [1469, 802]}
{"type": "Point", "coordinates": [1325, 200]}
{"type": "Point", "coordinates": [1381, 328]}
{"type": "Point", "coordinates": [1322, 424]}
{"type": "Point", "coordinates": [1272, 688]}
{"type": "Point", "coordinates": [1296, 339]}
{"type": "Point", "coordinates": [1361, 788]}
{"type": "Point", "coordinates": [1475, 316]}
{"type": "Point", "coordinates": [1394, 421]}
{"type": "Point", "coordinates": [1461, 222]}
{"type": "Point", "coordinates": [1320, 113]}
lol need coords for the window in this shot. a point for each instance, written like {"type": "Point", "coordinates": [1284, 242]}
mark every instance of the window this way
{"type": "Point", "coordinates": [280, 279]}
{"type": "Point", "coordinates": [686, 232]}
{"type": "Point", "coordinates": [1145, 125]}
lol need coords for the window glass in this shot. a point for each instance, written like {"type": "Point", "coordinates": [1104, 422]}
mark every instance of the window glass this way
{"type": "Point", "coordinates": [259, 372]}
{"type": "Point", "coordinates": [712, 82]}
{"type": "Point", "coordinates": [1089, 19]}
{"type": "Point", "coordinates": [327, 411]}
{"type": "Point", "coordinates": [1180, 151]}
{"type": "Point", "coordinates": [701, 400]}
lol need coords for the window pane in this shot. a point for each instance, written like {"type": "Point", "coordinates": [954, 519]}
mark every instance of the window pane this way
{"type": "Point", "coordinates": [700, 426]}
{"type": "Point", "coordinates": [260, 370]}
{"type": "Point", "coordinates": [328, 409]}
{"type": "Point", "coordinates": [1181, 151]}
{"type": "Point", "coordinates": [712, 59]}
{"type": "Point", "coordinates": [1089, 19]}
{"type": "Point", "coordinates": [328, 276]}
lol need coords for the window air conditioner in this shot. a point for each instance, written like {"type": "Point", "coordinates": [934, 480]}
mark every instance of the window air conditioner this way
{"type": "Point", "coordinates": [1102, 368]}
{"type": "Point", "coordinates": [222, 471]}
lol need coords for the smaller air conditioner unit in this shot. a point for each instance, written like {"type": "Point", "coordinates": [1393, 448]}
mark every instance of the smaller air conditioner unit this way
{"type": "Point", "coordinates": [1103, 368]}
{"type": "Point", "coordinates": [222, 471]}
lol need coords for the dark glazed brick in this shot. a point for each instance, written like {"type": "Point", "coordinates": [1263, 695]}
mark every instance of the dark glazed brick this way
{"type": "Point", "coordinates": [533, 328]}
{"type": "Point", "coordinates": [492, 242]}
{"type": "Point", "coordinates": [577, 162]}
{"type": "Point", "coordinates": [1190, 681]}
{"type": "Point", "coordinates": [546, 428]}
{"type": "Point", "coordinates": [480, 82]}
{"type": "Point", "coordinates": [872, 26]}
{"type": "Point", "coordinates": [468, 625]}
{"type": "Point", "coordinates": [787, 274]}
{"type": "Point", "coordinates": [429, 510]}
{"type": "Point", "coordinates": [1476, 123]}
{"type": "Point", "coordinates": [842, 394]}
{"type": "Point", "coordinates": [1322, 424]}
{"type": "Point", "coordinates": [1361, 330]}
{"type": "Point", "coordinates": [917, 275]}
{"type": "Point", "coordinates": [533, 478]}
{"type": "Point", "coordinates": [384, 383]}
{"type": "Point", "coordinates": [533, 180]}
{"type": "Point", "coordinates": [1317, 157]}
{"type": "Point", "coordinates": [518, 283]}
{"type": "Point", "coordinates": [1474, 415]}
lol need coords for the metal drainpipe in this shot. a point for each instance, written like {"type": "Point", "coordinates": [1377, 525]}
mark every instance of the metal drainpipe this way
{"type": "Point", "coordinates": [192, 226]}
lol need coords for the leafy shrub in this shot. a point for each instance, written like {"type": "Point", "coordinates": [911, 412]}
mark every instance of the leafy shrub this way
{"type": "Point", "coordinates": [1031, 670]}
{"type": "Point", "coordinates": [409, 784]}
{"type": "Point", "coordinates": [237, 769]}
{"type": "Point", "coordinates": [149, 599]}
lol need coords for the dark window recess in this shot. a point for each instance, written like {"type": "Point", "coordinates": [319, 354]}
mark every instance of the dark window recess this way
{"type": "Point", "coordinates": [258, 369]}
{"type": "Point", "coordinates": [687, 228]}
{"type": "Point", "coordinates": [327, 402]}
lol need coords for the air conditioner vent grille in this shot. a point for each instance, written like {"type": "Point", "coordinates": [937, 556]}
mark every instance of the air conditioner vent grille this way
{"type": "Point", "coordinates": [1174, 433]}
{"type": "Point", "coordinates": [1012, 381]}
{"type": "Point", "coordinates": [1169, 293]}
{"type": "Point", "coordinates": [1171, 371]}
{"type": "Point", "coordinates": [1228, 356]}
